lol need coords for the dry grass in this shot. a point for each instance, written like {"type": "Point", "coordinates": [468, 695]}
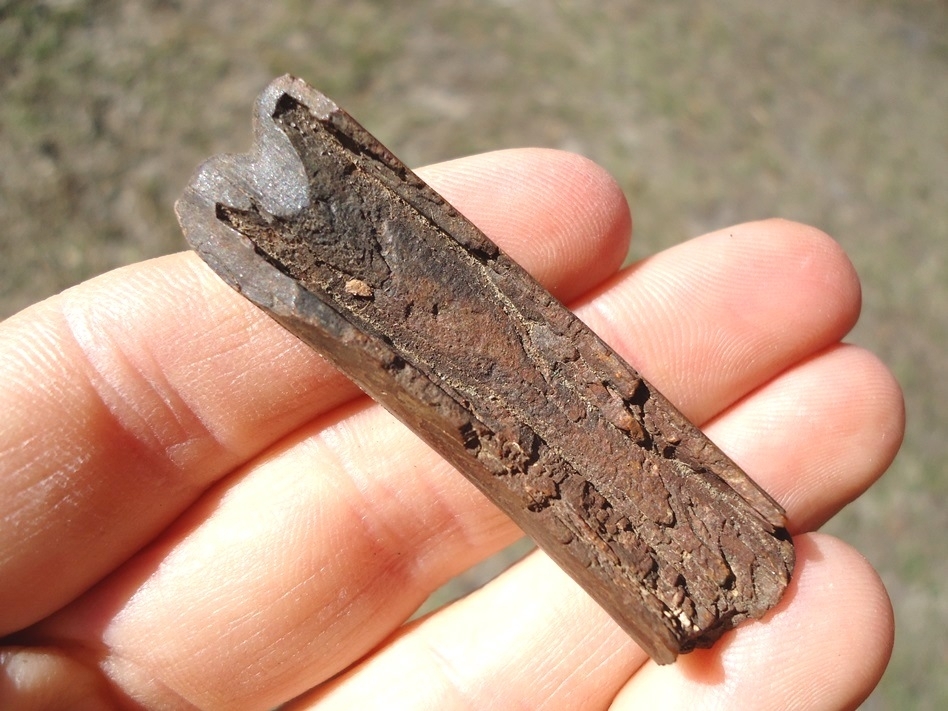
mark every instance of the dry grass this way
{"type": "Point", "coordinates": [829, 113]}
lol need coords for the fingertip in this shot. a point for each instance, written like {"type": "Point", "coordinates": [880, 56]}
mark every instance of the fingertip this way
{"type": "Point", "coordinates": [815, 260]}
{"type": "Point", "coordinates": [860, 442]}
{"type": "Point", "coordinates": [560, 215]}
{"type": "Point", "coordinates": [889, 408]}
{"type": "Point", "coordinates": [711, 319]}
{"type": "Point", "coordinates": [831, 636]}
{"type": "Point", "coordinates": [825, 645]}
{"type": "Point", "coordinates": [841, 614]}
{"type": "Point", "coordinates": [819, 434]}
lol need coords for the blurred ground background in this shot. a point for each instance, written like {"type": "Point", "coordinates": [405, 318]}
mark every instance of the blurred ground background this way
{"type": "Point", "coordinates": [832, 113]}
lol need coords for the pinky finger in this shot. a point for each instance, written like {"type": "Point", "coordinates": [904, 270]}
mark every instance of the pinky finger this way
{"type": "Point", "coordinates": [824, 647]}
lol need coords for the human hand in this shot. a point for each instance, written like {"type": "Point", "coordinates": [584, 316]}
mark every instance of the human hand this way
{"type": "Point", "coordinates": [198, 511]}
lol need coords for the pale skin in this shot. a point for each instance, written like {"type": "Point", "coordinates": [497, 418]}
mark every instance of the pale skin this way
{"type": "Point", "coordinates": [197, 511]}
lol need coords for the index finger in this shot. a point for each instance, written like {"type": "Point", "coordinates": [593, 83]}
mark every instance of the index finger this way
{"type": "Point", "coordinates": [131, 394]}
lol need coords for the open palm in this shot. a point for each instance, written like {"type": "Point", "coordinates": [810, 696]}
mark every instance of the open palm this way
{"type": "Point", "coordinates": [198, 511]}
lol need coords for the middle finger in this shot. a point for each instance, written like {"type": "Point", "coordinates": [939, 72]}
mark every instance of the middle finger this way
{"type": "Point", "coordinates": [337, 561]}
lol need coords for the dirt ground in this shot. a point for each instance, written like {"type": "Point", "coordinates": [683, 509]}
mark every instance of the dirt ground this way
{"type": "Point", "coordinates": [832, 113]}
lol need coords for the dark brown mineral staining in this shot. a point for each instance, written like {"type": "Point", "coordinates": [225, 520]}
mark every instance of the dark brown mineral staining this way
{"type": "Point", "coordinates": [323, 228]}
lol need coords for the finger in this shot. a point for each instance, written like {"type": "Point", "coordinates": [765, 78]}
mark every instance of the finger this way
{"type": "Point", "coordinates": [306, 560]}
{"type": "Point", "coordinates": [390, 530]}
{"type": "Point", "coordinates": [824, 647]}
{"type": "Point", "coordinates": [712, 319]}
{"type": "Point", "coordinates": [819, 434]}
{"type": "Point", "coordinates": [128, 396]}
{"type": "Point", "coordinates": [555, 246]}
{"type": "Point", "coordinates": [533, 639]}
{"type": "Point", "coordinates": [817, 448]}
{"type": "Point", "coordinates": [50, 679]}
